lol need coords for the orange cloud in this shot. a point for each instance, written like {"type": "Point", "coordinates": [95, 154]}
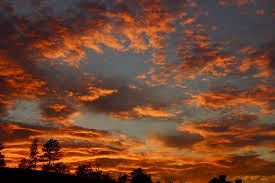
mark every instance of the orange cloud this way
{"type": "Point", "coordinates": [21, 84]}
{"type": "Point", "coordinates": [144, 111]}
{"type": "Point", "coordinates": [80, 145]}
{"type": "Point", "coordinates": [260, 12]}
{"type": "Point", "coordinates": [259, 96]}
{"type": "Point", "coordinates": [141, 76]}
{"type": "Point", "coordinates": [68, 46]}
{"type": "Point", "coordinates": [225, 135]}
{"type": "Point", "coordinates": [16, 83]}
{"type": "Point", "coordinates": [148, 24]}
{"type": "Point", "coordinates": [125, 115]}
{"type": "Point", "coordinates": [94, 93]}
{"type": "Point", "coordinates": [198, 57]}
{"type": "Point", "coordinates": [58, 113]}
{"type": "Point", "coordinates": [152, 112]}
{"type": "Point", "coordinates": [187, 21]}
{"type": "Point", "coordinates": [133, 86]}
{"type": "Point", "coordinates": [236, 2]}
{"type": "Point", "coordinates": [259, 59]}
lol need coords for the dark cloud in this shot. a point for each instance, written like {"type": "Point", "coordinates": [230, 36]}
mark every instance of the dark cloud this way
{"type": "Point", "coordinates": [20, 132]}
{"type": "Point", "coordinates": [252, 160]}
{"type": "Point", "coordinates": [56, 111]}
{"type": "Point", "coordinates": [125, 99]}
{"type": "Point", "coordinates": [231, 134]}
{"type": "Point", "coordinates": [178, 140]}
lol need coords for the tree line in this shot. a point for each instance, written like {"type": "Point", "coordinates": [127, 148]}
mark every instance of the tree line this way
{"type": "Point", "coordinates": [51, 152]}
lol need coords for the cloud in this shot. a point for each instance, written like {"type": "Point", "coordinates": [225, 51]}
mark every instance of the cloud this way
{"type": "Point", "coordinates": [79, 144]}
{"type": "Point", "coordinates": [261, 59]}
{"type": "Point", "coordinates": [16, 83]}
{"type": "Point", "coordinates": [230, 134]}
{"type": "Point", "coordinates": [150, 111]}
{"type": "Point", "coordinates": [182, 140]}
{"type": "Point", "coordinates": [236, 2]}
{"type": "Point", "coordinates": [118, 98]}
{"type": "Point", "coordinates": [50, 48]}
{"type": "Point", "coordinates": [141, 76]}
{"type": "Point", "coordinates": [93, 93]}
{"type": "Point", "coordinates": [144, 111]}
{"type": "Point", "coordinates": [197, 56]}
{"type": "Point", "coordinates": [145, 26]}
{"type": "Point", "coordinates": [260, 96]}
{"type": "Point", "coordinates": [201, 56]}
{"type": "Point", "coordinates": [242, 161]}
{"type": "Point", "coordinates": [58, 113]}
{"type": "Point", "coordinates": [246, 166]}
{"type": "Point", "coordinates": [4, 104]}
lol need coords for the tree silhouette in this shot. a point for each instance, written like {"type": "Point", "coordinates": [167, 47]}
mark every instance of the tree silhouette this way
{"type": "Point", "coordinates": [84, 170]}
{"type": "Point", "coordinates": [33, 153]}
{"type": "Point", "coordinates": [94, 174]}
{"type": "Point", "coordinates": [106, 178]}
{"type": "Point", "coordinates": [51, 152]}
{"type": "Point", "coordinates": [222, 179]}
{"type": "Point", "coordinates": [169, 179]}
{"type": "Point", "coordinates": [2, 156]}
{"type": "Point", "coordinates": [123, 178]}
{"type": "Point", "coordinates": [61, 168]}
{"type": "Point", "coordinates": [24, 164]}
{"type": "Point", "coordinates": [97, 165]}
{"type": "Point", "coordinates": [214, 180]}
{"type": "Point", "coordinates": [138, 176]}
{"type": "Point", "coordinates": [46, 168]}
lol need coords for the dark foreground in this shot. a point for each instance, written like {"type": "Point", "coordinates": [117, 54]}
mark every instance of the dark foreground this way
{"type": "Point", "coordinates": [15, 175]}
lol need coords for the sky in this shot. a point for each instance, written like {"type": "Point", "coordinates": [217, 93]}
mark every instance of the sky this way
{"type": "Point", "coordinates": [181, 88]}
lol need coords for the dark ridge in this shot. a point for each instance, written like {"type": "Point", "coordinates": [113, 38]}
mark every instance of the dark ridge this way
{"type": "Point", "coordinates": [16, 175]}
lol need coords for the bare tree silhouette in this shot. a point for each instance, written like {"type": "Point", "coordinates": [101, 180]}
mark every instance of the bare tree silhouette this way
{"type": "Point", "coordinates": [24, 164]}
{"type": "Point", "coordinates": [169, 179]}
{"type": "Point", "coordinates": [33, 153]}
{"type": "Point", "coordinates": [61, 168]}
{"type": "Point", "coordinates": [222, 179]}
{"type": "Point", "coordinates": [52, 152]}
{"type": "Point", "coordinates": [2, 157]}
{"type": "Point", "coordinates": [123, 178]}
{"type": "Point", "coordinates": [138, 176]}
{"type": "Point", "coordinates": [84, 170]}
{"type": "Point", "coordinates": [97, 165]}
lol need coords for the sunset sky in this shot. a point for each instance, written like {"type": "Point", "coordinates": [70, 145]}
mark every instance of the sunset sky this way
{"type": "Point", "coordinates": [182, 88]}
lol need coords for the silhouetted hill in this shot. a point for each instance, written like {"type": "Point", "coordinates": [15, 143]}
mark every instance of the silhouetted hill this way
{"type": "Point", "coordinates": [15, 175]}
